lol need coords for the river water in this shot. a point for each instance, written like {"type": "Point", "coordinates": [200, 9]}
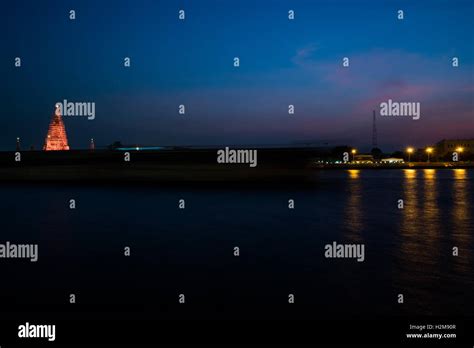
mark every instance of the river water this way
{"type": "Point", "coordinates": [190, 251]}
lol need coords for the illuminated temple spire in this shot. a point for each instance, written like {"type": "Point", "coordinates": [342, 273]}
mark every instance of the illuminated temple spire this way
{"type": "Point", "coordinates": [56, 139]}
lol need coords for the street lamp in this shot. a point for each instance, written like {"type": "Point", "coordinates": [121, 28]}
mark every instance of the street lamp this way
{"type": "Point", "coordinates": [353, 154]}
{"type": "Point", "coordinates": [410, 151]}
{"type": "Point", "coordinates": [429, 150]}
{"type": "Point", "coordinates": [459, 150]}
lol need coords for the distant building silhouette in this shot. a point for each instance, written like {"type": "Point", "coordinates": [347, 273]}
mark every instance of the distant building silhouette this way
{"type": "Point", "coordinates": [56, 139]}
{"type": "Point", "coordinates": [447, 146]}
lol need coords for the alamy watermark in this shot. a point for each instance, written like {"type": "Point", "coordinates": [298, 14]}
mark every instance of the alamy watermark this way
{"type": "Point", "coordinates": [28, 330]}
{"type": "Point", "coordinates": [346, 251]}
{"type": "Point", "coordinates": [393, 108]}
{"type": "Point", "coordinates": [237, 156]}
{"type": "Point", "coordinates": [86, 109]}
{"type": "Point", "coordinates": [19, 251]}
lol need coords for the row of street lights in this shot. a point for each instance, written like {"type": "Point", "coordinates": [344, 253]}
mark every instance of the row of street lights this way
{"type": "Point", "coordinates": [410, 150]}
{"type": "Point", "coordinates": [429, 150]}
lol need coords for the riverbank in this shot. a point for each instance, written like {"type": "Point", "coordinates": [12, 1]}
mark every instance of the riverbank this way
{"type": "Point", "coordinates": [275, 166]}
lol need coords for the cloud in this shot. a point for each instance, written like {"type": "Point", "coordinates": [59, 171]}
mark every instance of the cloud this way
{"type": "Point", "coordinates": [304, 55]}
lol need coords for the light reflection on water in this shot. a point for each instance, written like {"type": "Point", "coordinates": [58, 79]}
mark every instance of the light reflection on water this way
{"type": "Point", "coordinates": [436, 217]}
{"type": "Point", "coordinates": [430, 218]}
{"type": "Point", "coordinates": [410, 234]}
{"type": "Point", "coordinates": [407, 250]}
{"type": "Point", "coordinates": [425, 241]}
{"type": "Point", "coordinates": [461, 216]}
{"type": "Point", "coordinates": [353, 219]}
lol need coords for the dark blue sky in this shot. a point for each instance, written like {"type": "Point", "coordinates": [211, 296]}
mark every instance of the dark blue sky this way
{"type": "Point", "coordinates": [282, 62]}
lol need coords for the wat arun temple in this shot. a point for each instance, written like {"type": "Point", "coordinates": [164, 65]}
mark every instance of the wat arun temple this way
{"type": "Point", "coordinates": [56, 139]}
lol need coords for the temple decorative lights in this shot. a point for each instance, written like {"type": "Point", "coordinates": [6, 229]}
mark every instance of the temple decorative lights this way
{"type": "Point", "coordinates": [56, 139]}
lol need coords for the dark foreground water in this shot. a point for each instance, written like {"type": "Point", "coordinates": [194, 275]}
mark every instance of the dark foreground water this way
{"type": "Point", "coordinates": [407, 251]}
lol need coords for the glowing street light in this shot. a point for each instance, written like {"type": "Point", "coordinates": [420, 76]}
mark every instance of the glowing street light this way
{"type": "Point", "coordinates": [353, 154]}
{"type": "Point", "coordinates": [410, 151]}
{"type": "Point", "coordinates": [459, 150]}
{"type": "Point", "coordinates": [429, 150]}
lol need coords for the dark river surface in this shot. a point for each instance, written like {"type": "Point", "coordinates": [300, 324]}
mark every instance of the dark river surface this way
{"type": "Point", "coordinates": [190, 251]}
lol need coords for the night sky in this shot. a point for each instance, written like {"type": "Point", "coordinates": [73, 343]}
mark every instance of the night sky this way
{"type": "Point", "coordinates": [282, 62]}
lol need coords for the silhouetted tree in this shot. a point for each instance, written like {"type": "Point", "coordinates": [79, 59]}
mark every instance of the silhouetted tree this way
{"type": "Point", "coordinates": [115, 145]}
{"type": "Point", "coordinates": [376, 153]}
